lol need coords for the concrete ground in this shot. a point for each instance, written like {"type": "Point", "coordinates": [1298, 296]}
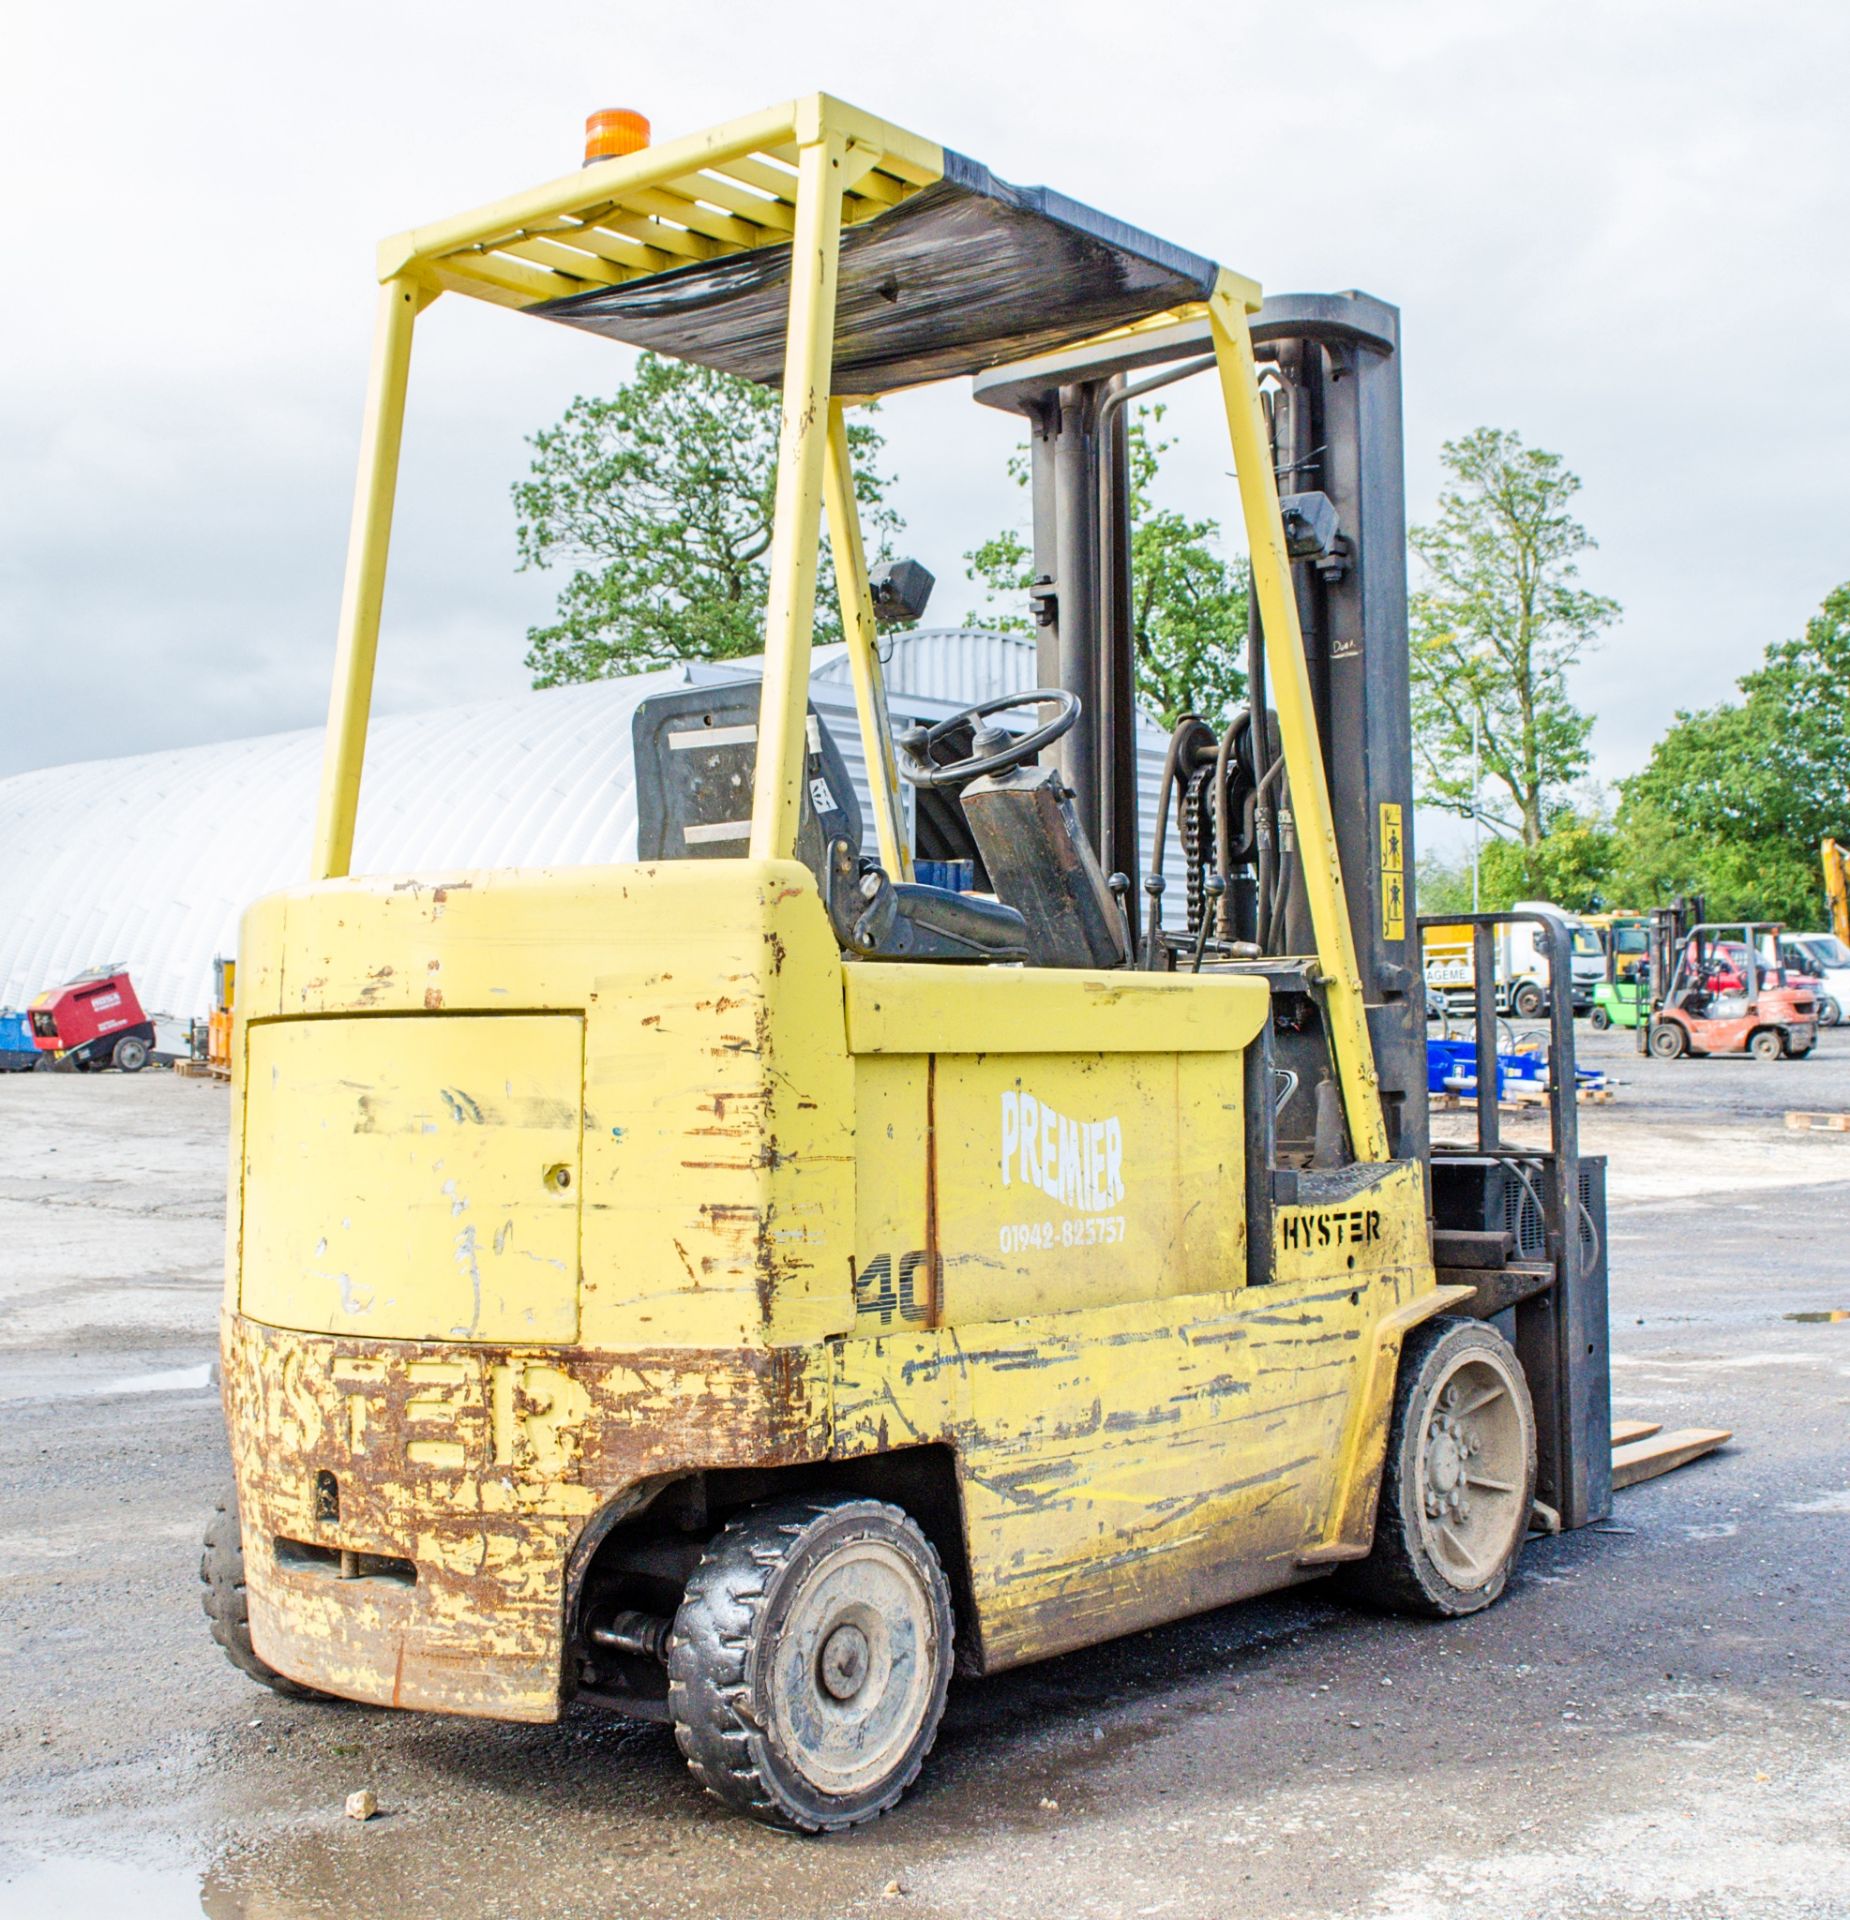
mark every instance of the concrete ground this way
{"type": "Point", "coordinates": [1652, 1722]}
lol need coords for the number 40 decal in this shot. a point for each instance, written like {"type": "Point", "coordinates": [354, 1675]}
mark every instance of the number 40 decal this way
{"type": "Point", "coordinates": [911, 1298]}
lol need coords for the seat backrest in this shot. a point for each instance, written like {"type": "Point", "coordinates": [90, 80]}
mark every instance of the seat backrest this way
{"type": "Point", "coordinates": [696, 759]}
{"type": "Point", "coordinates": [696, 756]}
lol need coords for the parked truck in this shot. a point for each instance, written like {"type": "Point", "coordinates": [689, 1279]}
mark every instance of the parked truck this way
{"type": "Point", "coordinates": [1823, 959]}
{"type": "Point", "coordinates": [1522, 963]}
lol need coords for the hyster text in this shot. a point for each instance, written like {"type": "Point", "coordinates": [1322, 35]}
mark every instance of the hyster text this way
{"type": "Point", "coordinates": [1355, 1227]}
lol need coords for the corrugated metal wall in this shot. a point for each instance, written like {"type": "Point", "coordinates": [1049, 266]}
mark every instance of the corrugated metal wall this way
{"type": "Point", "coordinates": [151, 860]}
{"type": "Point", "coordinates": [956, 665]}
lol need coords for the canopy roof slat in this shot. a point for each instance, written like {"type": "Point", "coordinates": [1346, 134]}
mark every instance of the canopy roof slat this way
{"type": "Point", "coordinates": [722, 190]}
{"type": "Point", "coordinates": [727, 228]}
{"type": "Point", "coordinates": [658, 235]}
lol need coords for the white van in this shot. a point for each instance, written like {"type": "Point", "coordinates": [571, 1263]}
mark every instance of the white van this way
{"type": "Point", "coordinates": [1824, 960]}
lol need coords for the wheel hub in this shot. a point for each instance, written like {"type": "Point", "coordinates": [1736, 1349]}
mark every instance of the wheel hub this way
{"type": "Point", "coordinates": [1445, 1458]}
{"type": "Point", "coordinates": [844, 1661]}
{"type": "Point", "coordinates": [850, 1676]}
{"type": "Point", "coordinates": [1471, 1474]}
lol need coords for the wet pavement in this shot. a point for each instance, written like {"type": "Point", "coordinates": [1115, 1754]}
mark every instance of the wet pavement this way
{"type": "Point", "coordinates": [1652, 1722]}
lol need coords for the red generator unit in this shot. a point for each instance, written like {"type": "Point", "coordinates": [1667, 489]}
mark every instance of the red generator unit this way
{"type": "Point", "coordinates": [94, 1021]}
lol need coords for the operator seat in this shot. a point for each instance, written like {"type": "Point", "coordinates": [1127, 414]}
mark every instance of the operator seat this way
{"type": "Point", "coordinates": [696, 754]}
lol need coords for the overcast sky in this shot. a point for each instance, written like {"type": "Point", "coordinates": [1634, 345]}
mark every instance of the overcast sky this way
{"type": "Point", "coordinates": [1623, 230]}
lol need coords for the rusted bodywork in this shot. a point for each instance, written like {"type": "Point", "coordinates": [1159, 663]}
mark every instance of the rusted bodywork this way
{"type": "Point", "coordinates": [531, 1449]}
{"type": "Point", "coordinates": [803, 1229]}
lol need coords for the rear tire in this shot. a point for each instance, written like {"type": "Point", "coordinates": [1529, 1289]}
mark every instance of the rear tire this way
{"type": "Point", "coordinates": [221, 1568]}
{"type": "Point", "coordinates": [1667, 1041]}
{"type": "Point", "coordinates": [1459, 1480]}
{"type": "Point", "coordinates": [1829, 1012]}
{"type": "Point", "coordinates": [1767, 1044]}
{"type": "Point", "coordinates": [131, 1054]}
{"type": "Point", "coordinates": [1599, 1019]}
{"type": "Point", "coordinates": [809, 1661]}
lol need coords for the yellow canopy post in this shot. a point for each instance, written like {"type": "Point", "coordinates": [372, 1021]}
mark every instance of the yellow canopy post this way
{"type": "Point", "coordinates": [809, 351]}
{"type": "Point", "coordinates": [857, 619]}
{"type": "Point", "coordinates": [368, 543]}
{"type": "Point", "coordinates": [1289, 680]}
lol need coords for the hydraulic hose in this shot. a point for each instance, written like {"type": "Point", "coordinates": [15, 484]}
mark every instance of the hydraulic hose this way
{"type": "Point", "coordinates": [1187, 739]}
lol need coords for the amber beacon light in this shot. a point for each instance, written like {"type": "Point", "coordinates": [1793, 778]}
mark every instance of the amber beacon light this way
{"type": "Point", "coordinates": [613, 132]}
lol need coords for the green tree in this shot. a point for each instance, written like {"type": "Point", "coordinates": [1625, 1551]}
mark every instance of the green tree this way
{"type": "Point", "coordinates": [1441, 885]}
{"type": "Point", "coordinates": [1570, 865]}
{"type": "Point", "coordinates": [1498, 619]}
{"type": "Point", "coordinates": [1188, 604]}
{"type": "Point", "coordinates": [1735, 798]}
{"type": "Point", "coordinates": [659, 499]}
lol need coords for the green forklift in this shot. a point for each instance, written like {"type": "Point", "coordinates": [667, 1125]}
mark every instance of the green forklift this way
{"type": "Point", "coordinates": [1622, 998]}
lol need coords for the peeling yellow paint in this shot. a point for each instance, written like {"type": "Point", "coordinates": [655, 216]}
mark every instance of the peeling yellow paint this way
{"type": "Point", "coordinates": [788, 1231]}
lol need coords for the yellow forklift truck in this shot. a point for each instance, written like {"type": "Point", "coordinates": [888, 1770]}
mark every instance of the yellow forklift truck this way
{"type": "Point", "coordinates": [742, 1286]}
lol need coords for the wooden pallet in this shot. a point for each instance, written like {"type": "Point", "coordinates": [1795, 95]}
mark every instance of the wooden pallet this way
{"type": "Point", "coordinates": [1584, 1096]}
{"type": "Point", "coordinates": [1800, 1122]}
{"type": "Point", "coordinates": [200, 1070]}
{"type": "Point", "coordinates": [1519, 1103]}
{"type": "Point", "coordinates": [1466, 1103]}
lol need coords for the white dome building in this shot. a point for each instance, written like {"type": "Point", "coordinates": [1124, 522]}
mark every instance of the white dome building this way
{"type": "Point", "coordinates": [151, 860]}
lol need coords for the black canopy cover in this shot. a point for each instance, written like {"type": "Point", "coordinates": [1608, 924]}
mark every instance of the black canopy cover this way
{"type": "Point", "coordinates": [965, 274]}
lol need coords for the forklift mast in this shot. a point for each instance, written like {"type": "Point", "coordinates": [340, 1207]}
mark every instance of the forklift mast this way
{"type": "Point", "coordinates": [1670, 930]}
{"type": "Point", "coordinates": [1525, 1226]}
{"type": "Point", "coordinates": [1330, 374]}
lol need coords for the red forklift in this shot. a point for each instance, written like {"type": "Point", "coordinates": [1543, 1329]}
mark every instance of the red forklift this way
{"type": "Point", "coordinates": [1725, 990]}
{"type": "Point", "coordinates": [94, 1021]}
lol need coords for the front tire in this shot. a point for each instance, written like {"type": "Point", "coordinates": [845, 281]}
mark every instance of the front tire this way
{"type": "Point", "coordinates": [1459, 1481]}
{"type": "Point", "coordinates": [1599, 1019]}
{"type": "Point", "coordinates": [221, 1568]}
{"type": "Point", "coordinates": [1667, 1041]}
{"type": "Point", "coordinates": [809, 1661]}
{"type": "Point", "coordinates": [1528, 1000]}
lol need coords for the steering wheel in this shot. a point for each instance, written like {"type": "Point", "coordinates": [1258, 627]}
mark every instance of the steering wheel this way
{"type": "Point", "coordinates": [994, 749]}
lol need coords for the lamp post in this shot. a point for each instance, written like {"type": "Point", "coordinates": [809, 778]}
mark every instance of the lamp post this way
{"type": "Point", "coordinates": [1477, 816]}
